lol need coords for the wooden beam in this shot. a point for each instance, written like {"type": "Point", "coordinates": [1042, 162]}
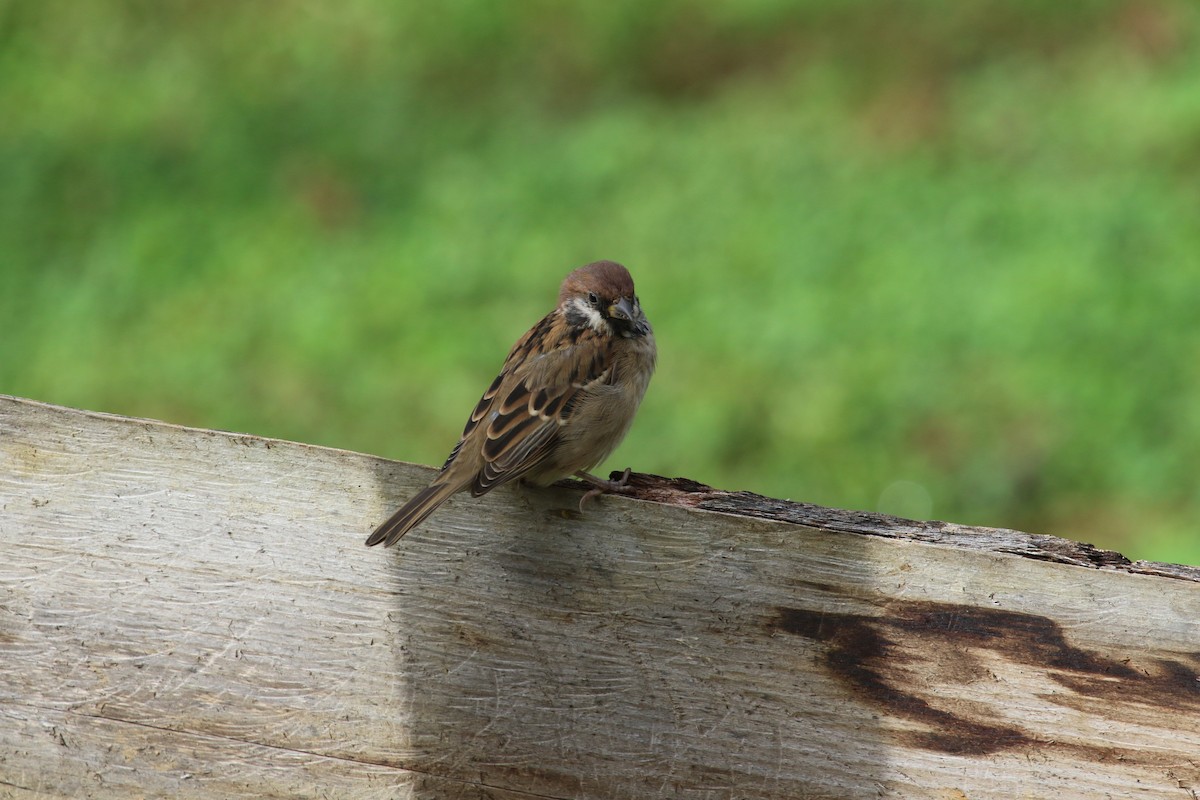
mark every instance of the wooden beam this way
{"type": "Point", "coordinates": [191, 613]}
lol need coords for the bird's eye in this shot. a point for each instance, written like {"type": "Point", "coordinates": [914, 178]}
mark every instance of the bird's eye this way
{"type": "Point", "coordinates": [593, 299]}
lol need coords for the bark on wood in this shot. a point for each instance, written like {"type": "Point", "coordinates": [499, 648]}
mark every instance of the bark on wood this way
{"type": "Point", "coordinates": [190, 613]}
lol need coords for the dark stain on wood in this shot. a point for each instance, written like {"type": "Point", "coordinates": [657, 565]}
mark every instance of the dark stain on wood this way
{"type": "Point", "coordinates": [875, 658]}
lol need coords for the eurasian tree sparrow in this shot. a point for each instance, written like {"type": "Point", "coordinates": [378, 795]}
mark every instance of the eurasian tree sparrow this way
{"type": "Point", "coordinates": [564, 399]}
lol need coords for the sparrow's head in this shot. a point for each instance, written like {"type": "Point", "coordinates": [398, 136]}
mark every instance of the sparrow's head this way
{"type": "Point", "coordinates": [600, 295]}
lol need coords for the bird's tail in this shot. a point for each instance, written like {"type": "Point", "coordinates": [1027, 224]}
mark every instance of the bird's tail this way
{"type": "Point", "coordinates": [412, 513]}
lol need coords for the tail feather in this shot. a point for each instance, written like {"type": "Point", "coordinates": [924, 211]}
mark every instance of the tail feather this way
{"type": "Point", "coordinates": [412, 514]}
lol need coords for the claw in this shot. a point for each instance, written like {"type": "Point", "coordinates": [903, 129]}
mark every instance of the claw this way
{"type": "Point", "coordinates": [601, 486]}
{"type": "Point", "coordinates": [588, 495]}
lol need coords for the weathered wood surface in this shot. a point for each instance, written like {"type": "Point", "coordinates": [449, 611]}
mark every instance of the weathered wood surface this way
{"type": "Point", "coordinates": [186, 613]}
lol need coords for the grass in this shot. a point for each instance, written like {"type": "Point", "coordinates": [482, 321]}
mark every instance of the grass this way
{"type": "Point", "coordinates": [947, 266]}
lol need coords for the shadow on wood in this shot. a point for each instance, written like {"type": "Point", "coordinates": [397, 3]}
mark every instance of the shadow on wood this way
{"type": "Point", "coordinates": [189, 613]}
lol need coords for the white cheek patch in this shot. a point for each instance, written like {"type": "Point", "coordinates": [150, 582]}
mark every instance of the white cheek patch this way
{"type": "Point", "coordinates": [594, 319]}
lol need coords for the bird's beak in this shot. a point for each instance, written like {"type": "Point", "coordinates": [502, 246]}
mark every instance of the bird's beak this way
{"type": "Point", "coordinates": [622, 309]}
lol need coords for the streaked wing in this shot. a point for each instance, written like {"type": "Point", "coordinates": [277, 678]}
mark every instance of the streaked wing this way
{"type": "Point", "coordinates": [534, 395]}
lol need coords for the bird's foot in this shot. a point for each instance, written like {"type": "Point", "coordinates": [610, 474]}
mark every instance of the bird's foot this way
{"type": "Point", "coordinates": [601, 486]}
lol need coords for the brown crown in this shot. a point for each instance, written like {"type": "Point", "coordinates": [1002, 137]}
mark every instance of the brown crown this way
{"type": "Point", "coordinates": [608, 279]}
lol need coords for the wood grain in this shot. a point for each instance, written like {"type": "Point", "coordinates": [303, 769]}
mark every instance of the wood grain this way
{"type": "Point", "coordinates": [190, 613]}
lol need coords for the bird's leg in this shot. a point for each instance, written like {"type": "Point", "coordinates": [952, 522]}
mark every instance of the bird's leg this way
{"type": "Point", "coordinates": [600, 486]}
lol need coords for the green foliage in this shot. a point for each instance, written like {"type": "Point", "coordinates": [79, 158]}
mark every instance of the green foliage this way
{"type": "Point", "coordinates": [942, 260]}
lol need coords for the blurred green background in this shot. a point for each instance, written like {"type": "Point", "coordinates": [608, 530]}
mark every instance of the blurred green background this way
{"type": "Point", "coordinates": [937, 259]}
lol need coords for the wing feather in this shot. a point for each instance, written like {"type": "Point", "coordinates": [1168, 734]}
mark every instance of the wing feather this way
{"type": "Point", "coordinates": [518, 420]}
